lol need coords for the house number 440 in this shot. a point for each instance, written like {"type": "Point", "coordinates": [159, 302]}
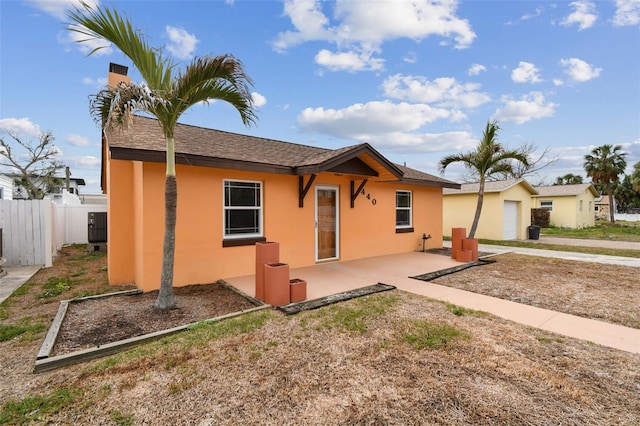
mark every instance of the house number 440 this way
{"type": "Point", "coordinates": [373, 200]}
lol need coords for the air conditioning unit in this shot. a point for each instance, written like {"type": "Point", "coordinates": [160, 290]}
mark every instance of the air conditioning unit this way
{"type": "Point", "coordinates": [97, 224]}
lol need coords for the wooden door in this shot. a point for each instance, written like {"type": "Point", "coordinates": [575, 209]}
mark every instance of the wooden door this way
{"type": "Point", "coordinates": [326, 223]}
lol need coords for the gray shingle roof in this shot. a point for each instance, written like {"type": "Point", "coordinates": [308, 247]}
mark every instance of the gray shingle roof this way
{"type": "Point", "coordinates": [215, 148]}
{"type": "Point", "coordinates": [490, 186]}
{"type": "Point", "coordinates": [565, 190]}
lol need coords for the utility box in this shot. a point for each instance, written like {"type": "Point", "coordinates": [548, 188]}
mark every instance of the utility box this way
{"type": "Point", "coordinates": [97, 227]}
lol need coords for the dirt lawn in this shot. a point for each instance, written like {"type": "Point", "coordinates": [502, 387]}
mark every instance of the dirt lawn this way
{"type": "Point", "coordinates": [392, 358]}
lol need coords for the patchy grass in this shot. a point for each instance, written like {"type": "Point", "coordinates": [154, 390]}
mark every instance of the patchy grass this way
{"type": "Point", "coordinates": [558, 247]}
{"type": "Point", "coordinates": [122, 419]}
{"type": "Point", "coordinates": [36, 408]}
{"type": "Point", "coordinates": [427, 335]}
{"type": "Point", "coordinates": [55, 286]}
{"type": "Point", "coordinates": [28, 327]}
{"type": "Point", "coordinates": [620, 231]}
{"type": "Point", "coordinates": [460, 311]}
{"type": "Point", "coordinates": [353, 317]}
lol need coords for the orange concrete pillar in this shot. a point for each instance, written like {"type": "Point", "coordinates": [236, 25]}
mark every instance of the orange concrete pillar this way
{"type": "Point", "coordinates": [266, 252]}
{"type": "Point", "coordinates": [471, 244]}
{"type": "Point", "coordinates": [464, 256]}
{"type": "Point", "coordinates": [297, 290]}
{"type": "Point", "coordinates": [276, 284]}
{"type": "Point", "coordinates": [457, 235]}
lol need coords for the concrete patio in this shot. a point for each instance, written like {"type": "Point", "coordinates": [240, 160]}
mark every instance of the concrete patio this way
{"type": "Point", "coordinates": [325, 279]}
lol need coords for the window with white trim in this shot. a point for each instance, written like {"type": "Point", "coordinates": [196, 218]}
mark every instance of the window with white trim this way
{"type": "Point", "coordinates": [546, 205]}
{"type": "Point", "coordinates": [403, 209]}
{"type": "Point", "coordinates": [581, 203]}
{"type": "Point", "coordinates": [242, 209]}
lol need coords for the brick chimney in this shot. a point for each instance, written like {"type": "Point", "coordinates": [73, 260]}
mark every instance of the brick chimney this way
{"type": "Point", "coordinates": [117, 74]}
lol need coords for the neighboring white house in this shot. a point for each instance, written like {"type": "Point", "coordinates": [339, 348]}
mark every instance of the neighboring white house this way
{"type": "Point", "coordinates": [6, 188]}
{"type": "Point", "coordinates": [59, 194]}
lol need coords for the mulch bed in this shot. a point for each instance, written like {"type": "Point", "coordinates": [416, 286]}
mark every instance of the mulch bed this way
{"type": "Point", "coordinates": [94, 322]}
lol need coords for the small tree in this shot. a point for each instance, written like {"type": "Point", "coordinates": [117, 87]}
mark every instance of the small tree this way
{"type": "Point", "coordinates": [635, 176]}
{"type": "Point", "coordinates": [34, 164]}
{"type": "Point", "coordinates": [604, 166]}
{"type": "Point", "coordinates": [626, 196]}
{"type": "Point", "coordinates": [490, 158]}
{"type": "Point", "coordinates": [531, 168]}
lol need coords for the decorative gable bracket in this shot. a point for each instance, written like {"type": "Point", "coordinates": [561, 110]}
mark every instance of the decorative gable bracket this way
{"type": "Point", "coordinates": [304, 189]}
{"type": "Point", "coordinates": [354, 194]}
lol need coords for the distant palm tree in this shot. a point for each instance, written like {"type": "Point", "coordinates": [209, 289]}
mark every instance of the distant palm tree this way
{"type": "Point", "coordinates": [165, 94]}
{"type": "Point", "coordinates": [489, 158]}
{"type": "Point", "coordinates": [568, 179]}
{"type": "Point", "coordinates": [604, 165]}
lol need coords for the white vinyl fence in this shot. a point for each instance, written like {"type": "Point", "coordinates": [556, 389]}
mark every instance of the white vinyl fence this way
{"type": "Point", "coordinates": [628, 217]}
{"type": "Point", "coordinates": [34, 230]}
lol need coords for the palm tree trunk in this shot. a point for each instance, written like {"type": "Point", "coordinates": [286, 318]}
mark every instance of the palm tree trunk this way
{"type": "Point", "coordinates": [476, 217]}
{"type": "Point", "coordinates": [165, 298]}
{"type": "Point", "coordinates": [612, 213]}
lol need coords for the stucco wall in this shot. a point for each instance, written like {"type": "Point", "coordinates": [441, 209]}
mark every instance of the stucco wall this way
{"type": "Point", "coordinates": [566, 210]}
{"type": "Point", "coordinates": [459, 210]}
{"type": "Point", "coordinates": [137, 201]}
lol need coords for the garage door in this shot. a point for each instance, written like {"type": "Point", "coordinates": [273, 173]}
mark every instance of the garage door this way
{"type": "Point", "coordinates": [510, 220]}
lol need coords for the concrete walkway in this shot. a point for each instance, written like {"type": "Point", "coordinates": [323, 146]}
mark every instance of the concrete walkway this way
{"type": "Point", "coordinates": [329, 278]}
{"type": "Point", "coordinates": [584, 257]}
{"type": "Point", "coordinates": [15, 278]}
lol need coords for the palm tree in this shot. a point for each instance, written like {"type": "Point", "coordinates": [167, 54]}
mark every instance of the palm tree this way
{"type": "Point", "coordinates": [489, 158]}
{"type": "Point", "coordinates": [603, 166]}
{"type": "Point", "coordinates": [165, 94]}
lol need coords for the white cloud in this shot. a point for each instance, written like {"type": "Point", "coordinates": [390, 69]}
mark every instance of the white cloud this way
{"type": "Point", "coordinates": [476, 69]}
{"type": "Point", "coordinates": [443, 91]}
{"type": "Point", "coordinates": [86, 161]}
{"type": "Point", "coordinates": [99, 83]}
{"type": "Point", "coordinates": [360, 29]}
{"type": "Point", "coordinates": [528, 107]}
{"type": "Point", "coordinates": [309, 22]}
{"type": "Point", "coordinates": [579, 70]}
{"type": "Point", "coordinates": [349, 61]}
{"type": "Point", "coordinates": [366, 121]}
{"type": "Point", "coordinates": [258, 99]}
{"type": "Point", "coordinates": [526, 73]}
{"type": "Point", "coordinates": [58, 8]}
{"type": "Point", "coordinates": [584, 15]}
{"type": "Point", "coordinates": [99, 47]}
{"type": "Point", "coordinates": [527, 16]}
{"type": "Point", "coordinates": [20, 127]}
{"type": "Point", "coordinates": [405, 143]}
{"type": "Point", "coordinates": [410, 58]}
{"type": "Point", "coordinates": [77, 140]}
{"type": "Point", "coordinates": [627, 13]}
{"type": "Point", "coordinates": [558, 82]}
{"type": "Point", "coordinates": [181, 43]}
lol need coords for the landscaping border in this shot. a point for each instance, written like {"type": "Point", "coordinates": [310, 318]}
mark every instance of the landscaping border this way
{"type": "Point", "coordinates": [45, 362]}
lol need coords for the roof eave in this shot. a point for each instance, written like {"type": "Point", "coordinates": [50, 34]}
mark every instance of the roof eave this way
{"type": "Point", "coordinates": [433, 183]}
{"type": "Point", "coordinates": [357, 150]}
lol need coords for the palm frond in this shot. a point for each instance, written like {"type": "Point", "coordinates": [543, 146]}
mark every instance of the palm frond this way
{"type": "Point", "coordinates": [220, 77]}
{"type": "Point", "coordinates": [108, 25]}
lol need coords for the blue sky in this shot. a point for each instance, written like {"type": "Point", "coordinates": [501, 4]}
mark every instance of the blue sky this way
{"type": "Point", "coordinates": [416, 79]}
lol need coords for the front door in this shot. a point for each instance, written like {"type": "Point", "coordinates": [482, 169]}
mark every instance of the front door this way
{"type": "Point", "coordinates": [327, 223]}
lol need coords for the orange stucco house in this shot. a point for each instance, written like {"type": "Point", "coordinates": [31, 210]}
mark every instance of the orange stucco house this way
{"type": "Point", "coordinates": [234, 190]}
